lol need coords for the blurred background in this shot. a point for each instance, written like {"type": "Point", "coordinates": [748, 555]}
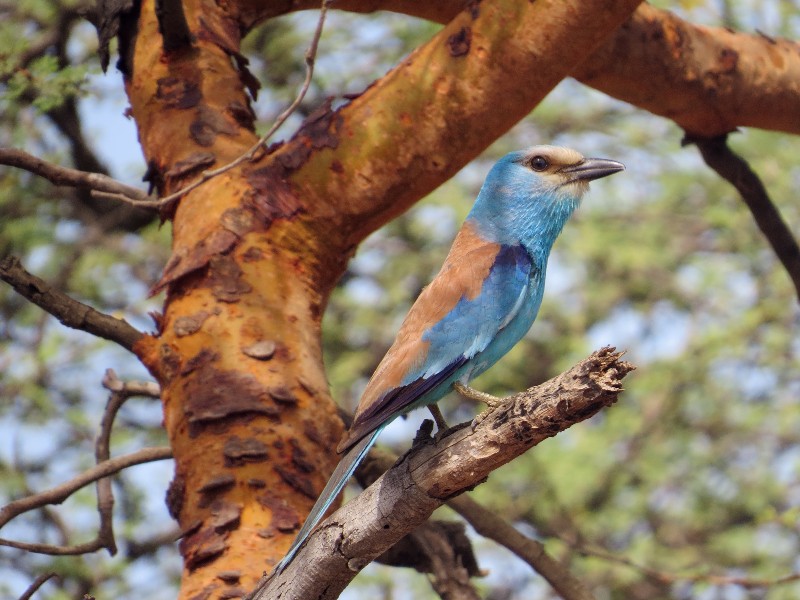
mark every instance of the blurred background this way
{"type": "Point", "coordinates": [689, 484]}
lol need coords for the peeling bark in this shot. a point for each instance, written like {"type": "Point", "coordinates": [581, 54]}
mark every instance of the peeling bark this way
{"type": "Point", "coordinates": [709, 80]}
{"type": "Point", "coordinates": [257, 250]}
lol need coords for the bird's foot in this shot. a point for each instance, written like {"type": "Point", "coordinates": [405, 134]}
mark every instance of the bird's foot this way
{"type": "Point", "coordinates": [492, 402]}
{"type": "Point", "coordinates": [473, 394]}
{"type": "Point", "coordinates": [441, 424]}
{"type": "Point", "coordinates": [437, 415]}
{"type": "Point", "coordinates": [478, 419]}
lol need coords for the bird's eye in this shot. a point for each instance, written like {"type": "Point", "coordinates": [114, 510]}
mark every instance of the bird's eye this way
{"type": "Point", "coordinates": [539, 163]}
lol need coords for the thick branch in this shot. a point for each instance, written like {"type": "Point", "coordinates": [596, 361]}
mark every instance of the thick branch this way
{"type": "Point", "coordinates": [433, 117]}
{"type": "Point", "coordinates": [67, 310]}
{"type": "Point", "coordinates": [414, 550]}
{"type": "Point", "coordinates": [432, 473]}
{"type": "Point", "coordinates": [733, 168]}
{"type": "Point", "coordinates": [491, 526]}
{"type": "Point", "coordinates": [709, 80]}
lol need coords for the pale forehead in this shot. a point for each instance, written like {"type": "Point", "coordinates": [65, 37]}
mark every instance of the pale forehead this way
{"type": "Point", "coordinates": [556, 155]}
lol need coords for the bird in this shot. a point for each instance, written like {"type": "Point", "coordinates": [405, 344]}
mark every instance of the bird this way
{"type": "Point", "coordinates": [480, 304]}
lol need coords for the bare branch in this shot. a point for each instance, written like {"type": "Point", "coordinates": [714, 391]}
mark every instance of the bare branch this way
{"type": "Point", "coordinates": [734, 169]}
{"type": "Point", "coordinates": [67, 310]}
{"type": "Point", "coordinates": [710, 79]}
{"type": "Point", "coordinates": [665, 577]}
{"type": "Point", "coordinates": [149, 389]}
{"type": "Point", "coordinates": [415, 550]}
{"type": "Point", "coordinates": [102, 452]}
{"type": "Point", "coordinates": [61, 492]}
{"type": "Point", "coordinates": [310, 58]}
{"type": "Point", "coordinates": [136, 548]}
{"type": "Point", "coordinates": [491, 526]}
{"type": "Point", "coordinates": [37, 583]}
{"type": "Point", "coordinates": [433, 472]}
{"type": "Point", "coordinates": [120, 392]}
{"type": "Point", "coordinates": [449, 578]}
{"type": "Point", "coordinates": [59, 175]}
{"type": "Point", "coordinates": [494, 527]}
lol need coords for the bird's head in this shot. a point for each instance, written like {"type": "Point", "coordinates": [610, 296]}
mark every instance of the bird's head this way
{"type": "Point", "coordinates": [529, 195]}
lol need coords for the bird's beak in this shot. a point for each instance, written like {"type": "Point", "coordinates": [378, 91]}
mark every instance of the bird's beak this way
{"type": "Point", "coordinates": [592, 168]}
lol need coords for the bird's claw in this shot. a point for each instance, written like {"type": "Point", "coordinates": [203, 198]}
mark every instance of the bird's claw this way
{"type": "Point", "coordinates": [479, 418]}
{"type": "Point", "coordinates": [477, 395]}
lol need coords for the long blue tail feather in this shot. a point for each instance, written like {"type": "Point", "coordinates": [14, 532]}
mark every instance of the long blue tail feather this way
{"type": "Point", "coordinates": [347, 465]}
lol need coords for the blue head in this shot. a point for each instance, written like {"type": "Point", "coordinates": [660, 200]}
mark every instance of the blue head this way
{"type": "Point", "coordinates": [530, 194]}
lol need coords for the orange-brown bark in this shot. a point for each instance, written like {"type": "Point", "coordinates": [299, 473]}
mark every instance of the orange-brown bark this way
{"type": "Point", "coordinates": [423, 121]}
{"type": "Point", "coordinates": [238, 353]}
{"type": "Point", "coordinates": [257, 250]}
{"type": "Point", "coordinates": [709, 80]}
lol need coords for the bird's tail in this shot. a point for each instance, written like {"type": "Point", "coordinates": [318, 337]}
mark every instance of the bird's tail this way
{"type": "Point", "coordinates": [337, 481]}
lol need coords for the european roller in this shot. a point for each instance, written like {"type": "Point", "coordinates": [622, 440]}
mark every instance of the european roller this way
{"type": "Point", "coordinates": [480, 304]}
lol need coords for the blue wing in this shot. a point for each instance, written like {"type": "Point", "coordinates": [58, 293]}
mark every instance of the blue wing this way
{"type": "Point", "coordinates": [473, 324]}
{"type": "Point", "coordinates": [454, 341]}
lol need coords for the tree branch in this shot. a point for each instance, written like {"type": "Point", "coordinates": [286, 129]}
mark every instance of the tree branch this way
{"type": "Point", "coordinates": [665, 577]}
{"type": "Point", "coordinates": [36, 584]}
{"type": "Point", "coordinates": [494, 527]}
{"type": "Point", "coordinates": [58, 175]}
{"type": "Point", "coordinates": [310, 58]}
{"type": "Point", "coordinates": [105, 495]}
{"type": "Point", "coordinates": [734, 169]}
{"type": "Point", "coordinates": [353, 191]}
{"type": "Point", "coordinates": [137, 548]}
{"type": "Point", "coordinates": [491, 526]}
{"type": "Point", "coordinates": [149, 389]}
{"type": "Point", "coordinates": [69, 311]}
{"type": "Point", "coordinates": [709, 79]}
{"type": "Point", "coordinates": [63, 491]}
{"type": "Point", "coordinates": [432, 473]}
{"type": "Point", "coordinates": [449, 578]}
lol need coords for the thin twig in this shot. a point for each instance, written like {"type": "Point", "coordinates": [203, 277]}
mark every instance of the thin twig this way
{"type": "Point", "coordinates": [67, 310]}
{"type": "Point", "coordinates": [494, 527]}
{"type": "Point", "coordinates": [102, 452]}
{"type": "Point", "coordinates": [120, 392]}
{"type": "Point", "coordinates": [310, 58]}
{"type": "Point", "coordinates": [37, 583]}
{"type": "Point", "coordinates": [112, 383]}
{"type": "Point", "coordinates": [665, 577]}
{"type": "Point", "coordinates": [105, 499]}
{"type": "Point", "coordinates": [63, 491]}
{"type": "Point", "coordinates": [97, 182]}
{"type": "Point", "coordinates": [733, 168]}
{"type": "Point", "coordinates": [136, 548]}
